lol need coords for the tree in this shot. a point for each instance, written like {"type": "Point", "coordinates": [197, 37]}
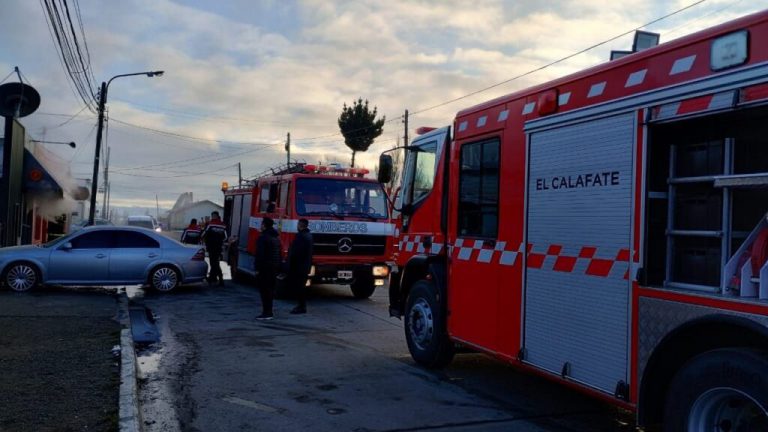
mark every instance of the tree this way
{"type": "Point", "coordinates": [359, 126]}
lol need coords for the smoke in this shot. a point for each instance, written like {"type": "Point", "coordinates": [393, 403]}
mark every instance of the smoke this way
{"type": "Point", "coordinates": [51, 204]}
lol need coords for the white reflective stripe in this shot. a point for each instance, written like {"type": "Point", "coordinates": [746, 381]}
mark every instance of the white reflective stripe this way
{"type": "Point", "coordinates": [463, 126]}
{"type": "Point", "coordinates": [636, 78]}
{"type": "Point", "coordinates": [503, 115]}
{"type": "Point", "coordinates": [478, 244]}
{"type": "Point", "coordinates": [436, 248]}
{"type": "Point", "coordinates": [722, 100]}
{"type": "Point", "coordinates": [508, 258]}
{"type": "Point", "coordinates": [481, 121]}
{"type": "Point", "coordinates": [528, 108]}
{"type": "Point", "coordinates": [668, 110]}
{"type": "Point", "coordinates": [682, 65]}
{"type": "Point", "coordinates": [596, 89]}
{"type": "Point", "coordinates": [465, 253]}
{"type": "Point", "coordinates": [563, 98]}
{"type": "Point", "coordinates": [330, 227]}
{"type": "Point", "coordinates": [485, 255]}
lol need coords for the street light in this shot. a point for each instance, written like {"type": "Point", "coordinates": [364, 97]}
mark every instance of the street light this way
{"type": "Point", "coordinates": [70, 143]}
{"type": "Point", "coordinates": [102, 102]}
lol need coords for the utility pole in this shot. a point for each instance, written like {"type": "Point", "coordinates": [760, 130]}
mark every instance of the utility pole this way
{"type": "Point", "coordinates": [405, 120]}
{"type": "Point", "coordinates": [106, 186]}
{"type": "Point", "coordinates": [95, 178]}
{"type": "Point", "coordinates": [157, 208]}
{"type": "Point", "coordinates": [239, 175]}
{"type": "Point", "coordinates": [288, 148]}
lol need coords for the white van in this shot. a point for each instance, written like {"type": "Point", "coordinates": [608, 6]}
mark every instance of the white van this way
{"type": "Point", "coordinates": [144, 221]}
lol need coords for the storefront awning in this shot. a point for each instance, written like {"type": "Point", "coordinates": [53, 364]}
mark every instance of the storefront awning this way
{"type": "Point", "coordinates": [37, 178]}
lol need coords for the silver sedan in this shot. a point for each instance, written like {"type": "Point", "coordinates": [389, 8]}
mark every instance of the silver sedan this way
{"type": "Point", "coordinates": [104, 255]}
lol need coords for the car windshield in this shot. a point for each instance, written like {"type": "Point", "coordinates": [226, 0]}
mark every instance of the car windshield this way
{"type": "Point", "coordinates": [340, 197]}
{"type": "Point", "coordinates": [141, 223]}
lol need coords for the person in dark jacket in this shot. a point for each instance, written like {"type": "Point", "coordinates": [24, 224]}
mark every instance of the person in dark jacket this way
{"type": "Point", "coordinates": [214, 235]}
{"type": "Point", "coordinates": [192, 233]}
{"type": "Point", "coordinates": [267, 265]}
{"type": "Point", "coordinates": [300, 264]}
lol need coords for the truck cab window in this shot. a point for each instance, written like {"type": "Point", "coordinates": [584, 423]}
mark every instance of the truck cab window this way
{"type": "Point", "coordinates": [479, 190]}
{"type": "Point", "coordinates": [420, 173]}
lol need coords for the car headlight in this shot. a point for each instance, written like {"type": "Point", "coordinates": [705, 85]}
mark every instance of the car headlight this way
{"type": "Point", "coordinates": [158, 229]}
{"type": "Point", "coordinates": [381, 271]}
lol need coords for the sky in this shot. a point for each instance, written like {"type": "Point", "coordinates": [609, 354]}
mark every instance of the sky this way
{"type": "Point", "coordinates": [241, 74]}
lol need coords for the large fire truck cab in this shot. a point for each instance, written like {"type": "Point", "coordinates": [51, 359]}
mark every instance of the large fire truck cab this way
{"type": "Point", "coordinates": [606, 230]}
{"type": "Point", "coordinates": [348, 216]}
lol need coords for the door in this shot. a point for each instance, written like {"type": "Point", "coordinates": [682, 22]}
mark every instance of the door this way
{"type": "Point", "coordinates": [422, 203]}
{"type": "Point", "coordinates": [579, 220]}
{"type": "Point", "coordinates": [86, 262]}
{"type": "Point", "coordinates": [132, 256]}
{"type": "Point", "coordinates": [474, 276]}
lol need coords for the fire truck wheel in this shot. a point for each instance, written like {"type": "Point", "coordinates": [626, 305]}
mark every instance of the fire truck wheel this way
{"type": "Point", "coordinates": [425, 327]}
{"type": "Point", "coordinates": [363, 287]}
{"type": "Point", "coordinates": [720, 390]}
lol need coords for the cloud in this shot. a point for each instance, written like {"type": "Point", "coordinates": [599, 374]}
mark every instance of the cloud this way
{"type": "Point", "coordinates": [249, 72]}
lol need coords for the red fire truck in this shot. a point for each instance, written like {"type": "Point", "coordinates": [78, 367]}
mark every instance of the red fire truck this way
{"type": "Point", "coordinates": [348, 216]}
{"type": "Point", "coordinates": [607, 230]}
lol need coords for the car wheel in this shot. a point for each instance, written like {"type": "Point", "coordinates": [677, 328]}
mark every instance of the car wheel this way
{"type": "Point", "coordinates": [425, 327]}
{"type": "Point", "coordinates": [719, 390]}
{"type": "Point", "coordinates": [164, 278]}
{"type": "Point", "coordinates": [21, 277]}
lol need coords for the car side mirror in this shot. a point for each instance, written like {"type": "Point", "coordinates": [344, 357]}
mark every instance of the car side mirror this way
{"type": "Point", "coordinates": [66, 246]}
{"type": "Point", "coordinates": [386, 166]}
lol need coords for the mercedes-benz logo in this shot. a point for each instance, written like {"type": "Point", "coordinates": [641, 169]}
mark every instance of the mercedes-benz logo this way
{"type": "Point", "coordinates": [344, 245]}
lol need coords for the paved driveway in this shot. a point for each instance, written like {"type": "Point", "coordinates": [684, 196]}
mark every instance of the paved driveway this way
{"type": "Point", "coordinates": [342, 367]}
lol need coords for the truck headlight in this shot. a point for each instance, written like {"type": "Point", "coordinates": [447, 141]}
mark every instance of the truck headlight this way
{"type": "Point", "coordinates": [311, 271]}
{"type": "Point", "coordinates": [381, 271]}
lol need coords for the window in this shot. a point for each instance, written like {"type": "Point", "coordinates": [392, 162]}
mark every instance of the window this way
{"type": "Point", "coordinates": [93, 240]}
{"type": "Point", "coordinates": [130, 239]}
{"type": "Point", "coordinates": [284, 188]}
{"type": "Point", "coordinates": [479, 190]}
{"type": "Point", "coordinates": [420, 172]}
{"type": "Point", "coordinates": [340, 196]}
{"type": "Point", "coordinates": [267, 198]}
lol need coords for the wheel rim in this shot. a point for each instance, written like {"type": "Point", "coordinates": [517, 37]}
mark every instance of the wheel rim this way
{"type": "Point", "coordinates": [164, 279]}
{"type": "Point", "coordinates": [421, 324]}
{"type": "Point", "coordinates": [21, 277]}
{"type": "Point", "coordinates": [727, 410]}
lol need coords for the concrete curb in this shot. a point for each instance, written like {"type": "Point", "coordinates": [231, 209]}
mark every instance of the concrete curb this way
{"type": "Point", "coordinates": [130, 417]}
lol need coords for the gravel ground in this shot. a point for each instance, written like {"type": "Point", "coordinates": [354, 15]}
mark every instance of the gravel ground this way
{"type": "Point", "coordinates": [57, 371]}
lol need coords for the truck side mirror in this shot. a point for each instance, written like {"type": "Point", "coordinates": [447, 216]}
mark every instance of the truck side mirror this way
{"type": "Point", "coordinates": [66, 246]}
{"type": "Point", "coordinates": [385, 168]}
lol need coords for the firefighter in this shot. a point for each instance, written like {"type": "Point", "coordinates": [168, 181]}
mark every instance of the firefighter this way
{"type": "Point", "coordinates": [300, 264]}
{"type": "Point", "coordinates": [213, 236]}
{"type": "Point", "coordinates": [192, 233]}
{"type": "Point", "coordinates": [267, 264]}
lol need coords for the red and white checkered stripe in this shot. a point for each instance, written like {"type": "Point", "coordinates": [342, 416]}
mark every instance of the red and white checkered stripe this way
{"type": "Point", "coordinates": [695, 105]}
{"type": "Point", "coordinates": [587, 260]}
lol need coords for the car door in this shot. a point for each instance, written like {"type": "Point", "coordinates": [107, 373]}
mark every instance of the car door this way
{"type": "Point", "coordinates": [86, 262]}
{"type": "Point", "coordinates": [134, 252]}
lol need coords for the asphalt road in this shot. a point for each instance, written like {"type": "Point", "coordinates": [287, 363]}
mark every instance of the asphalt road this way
{"type": "Point", "coordinates": [342, 367]}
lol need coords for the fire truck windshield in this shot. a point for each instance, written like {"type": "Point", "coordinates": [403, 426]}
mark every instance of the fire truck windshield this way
{"type": "Point", "coordinates": [340, 197]}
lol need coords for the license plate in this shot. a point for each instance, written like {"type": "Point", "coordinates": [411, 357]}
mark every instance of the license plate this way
{"type": "Point", "coordinates": [344, 274]}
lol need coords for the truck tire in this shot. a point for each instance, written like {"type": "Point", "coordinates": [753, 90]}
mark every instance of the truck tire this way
{"type": "Point", "coordinates": [425, 327]}
{"type": "Point", "coordinates": [719, 390]}
{"type": "Point", "coordinates": [363, 287]}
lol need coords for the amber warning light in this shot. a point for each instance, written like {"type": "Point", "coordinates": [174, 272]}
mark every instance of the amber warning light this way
{"type": "Point", "coordinates": [224, 186]}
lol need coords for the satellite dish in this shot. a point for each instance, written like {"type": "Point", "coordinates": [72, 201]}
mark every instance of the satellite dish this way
{"type": "Point", "coordinates": [13, 94]}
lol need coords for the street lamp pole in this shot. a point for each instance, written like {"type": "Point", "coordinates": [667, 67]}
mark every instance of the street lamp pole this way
{"type": "Point", "coordinates": [102, 102]}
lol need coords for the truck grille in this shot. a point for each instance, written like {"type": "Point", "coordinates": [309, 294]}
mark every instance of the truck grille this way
{"type": "Point", "coordinates": [346, 244]}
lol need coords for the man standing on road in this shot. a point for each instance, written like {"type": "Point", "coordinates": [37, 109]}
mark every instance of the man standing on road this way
{"type": "Point", "coordinates": [300, 264]}
{"type": "Point", "coordinates": [214, 235]}
{"type": "Point", "coordinates": [192, 233]}
{"type": "Point", "coordinates": [267, 264]}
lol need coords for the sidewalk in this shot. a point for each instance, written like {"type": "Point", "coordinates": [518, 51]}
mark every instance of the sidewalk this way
{"type": "Point", "coordinates": [57, 371]}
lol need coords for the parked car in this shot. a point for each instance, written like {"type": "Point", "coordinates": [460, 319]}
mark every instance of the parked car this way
{"type": "Point", "coordinates": [84, 223]}
{"type": "Point", "coordinates": [144, 221]}
{"type": "Point", "coordinates": [104, 255]}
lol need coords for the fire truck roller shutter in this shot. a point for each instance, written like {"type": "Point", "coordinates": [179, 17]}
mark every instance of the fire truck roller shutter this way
{"type": "Point", "coordinates": [579, 223]}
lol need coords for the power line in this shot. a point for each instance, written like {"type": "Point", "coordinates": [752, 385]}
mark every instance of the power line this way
{"type": "Point", "coordinates": [556, 61]}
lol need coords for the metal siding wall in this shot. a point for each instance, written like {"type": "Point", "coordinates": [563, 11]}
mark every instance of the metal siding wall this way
{"type": "Point", "coordinates": [571, 316]}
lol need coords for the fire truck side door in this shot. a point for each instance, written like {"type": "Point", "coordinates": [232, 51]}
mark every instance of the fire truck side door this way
{"type": "Point", "coordinates": [579, 229]}
{"type": "Point", "coordinates": [473, 231]}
